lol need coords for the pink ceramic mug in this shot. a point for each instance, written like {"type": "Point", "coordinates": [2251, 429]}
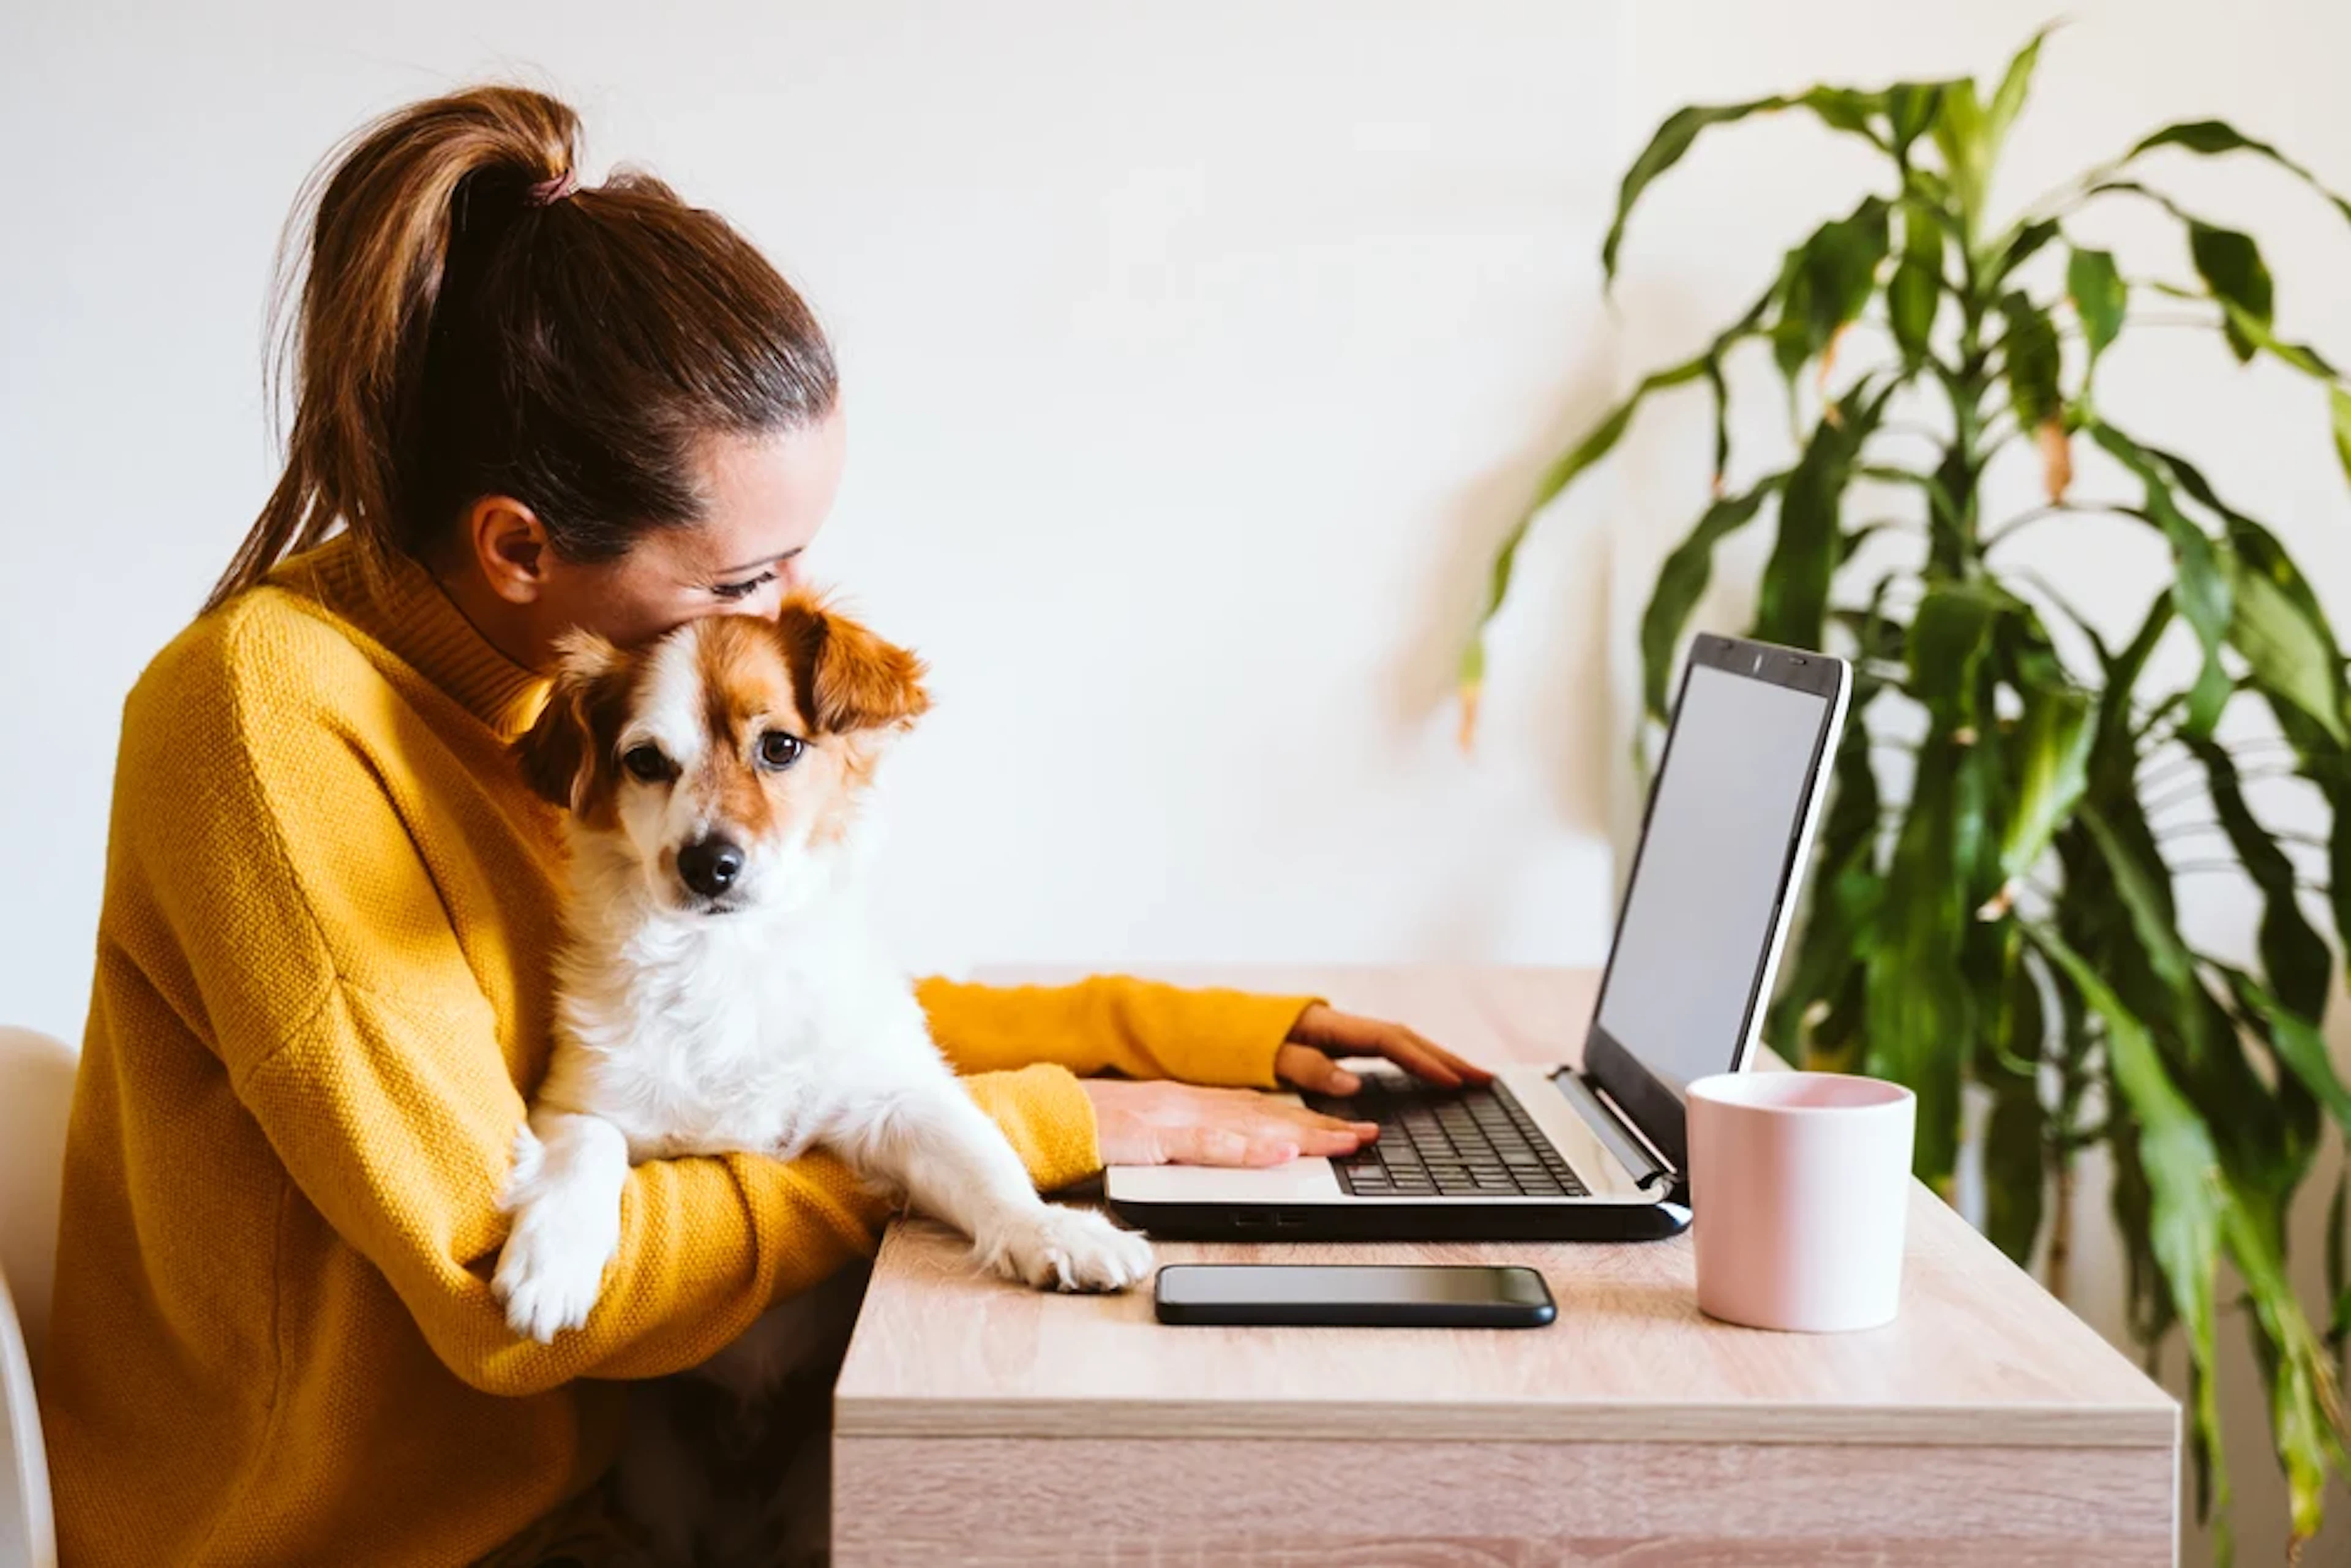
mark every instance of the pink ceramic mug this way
{"type": "Point", "coordinates": [1798, 1186]}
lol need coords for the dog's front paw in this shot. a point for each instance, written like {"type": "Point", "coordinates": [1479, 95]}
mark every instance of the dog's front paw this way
{"type": "Point", "coordinates": [1069, 1249]}
{"type": "Point", "coordinates": [552, 1268]}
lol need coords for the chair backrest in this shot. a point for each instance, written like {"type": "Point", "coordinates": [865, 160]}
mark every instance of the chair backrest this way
{"type": "Point", "coordinates": [37, 1075]}
{"type": "Point", "coordinates": [27, 1523]}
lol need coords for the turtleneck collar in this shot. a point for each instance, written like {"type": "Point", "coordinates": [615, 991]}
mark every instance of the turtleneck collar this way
{"type": "Point", "coordinates": [400, 606]}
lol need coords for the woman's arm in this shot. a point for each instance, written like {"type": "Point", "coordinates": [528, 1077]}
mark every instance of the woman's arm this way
{"type": "Point", "coordinates": [1143, 1029]}
{"type": "Point", "coordinates": [1140, 1028]}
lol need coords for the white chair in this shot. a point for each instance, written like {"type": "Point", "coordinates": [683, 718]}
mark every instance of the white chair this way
{"type": "Point", "coordinates": [36, 1077]}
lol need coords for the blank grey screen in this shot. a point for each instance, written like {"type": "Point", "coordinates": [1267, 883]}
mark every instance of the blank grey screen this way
{"type": "Point", "coordinates": [1698, 913]}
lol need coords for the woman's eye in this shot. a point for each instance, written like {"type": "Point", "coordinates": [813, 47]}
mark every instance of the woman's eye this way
{"type": "Point", "coordinates": [745, 589]}
{"type": "Point", "coordinates": [780, 750]}
{"type": "Point", "coordinates": [647, 763]}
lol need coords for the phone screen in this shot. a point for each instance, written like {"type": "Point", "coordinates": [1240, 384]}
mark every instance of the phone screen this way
{"type": "Point", "coordinates": [1349, 1285]}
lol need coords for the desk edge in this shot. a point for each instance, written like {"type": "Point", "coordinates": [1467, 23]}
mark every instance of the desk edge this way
{"type": "Point", "coordinates": [2148, 1424]}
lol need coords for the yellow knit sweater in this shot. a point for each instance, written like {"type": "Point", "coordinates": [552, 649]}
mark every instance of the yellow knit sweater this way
{"type": "Point", "coordinates": [322, 1000]}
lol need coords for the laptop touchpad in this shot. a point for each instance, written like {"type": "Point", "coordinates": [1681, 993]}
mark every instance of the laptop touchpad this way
{"type": "Point", "coordinates": [1300, 1181]}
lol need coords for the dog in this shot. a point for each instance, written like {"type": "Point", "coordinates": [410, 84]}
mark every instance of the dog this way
{"type": "Point", "coordinates": [722, 988]}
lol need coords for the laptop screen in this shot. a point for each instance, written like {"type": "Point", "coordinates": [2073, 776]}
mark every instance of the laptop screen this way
{"type": "Point", "coordinates": [1718, 859]}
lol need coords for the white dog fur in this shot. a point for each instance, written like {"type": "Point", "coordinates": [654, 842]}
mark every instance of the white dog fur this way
{"type": "Point", "coordinates": [769, 1022]}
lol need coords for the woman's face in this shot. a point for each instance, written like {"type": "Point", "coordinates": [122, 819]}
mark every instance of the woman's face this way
{"type": "Point", "coordinates": [769, 495]}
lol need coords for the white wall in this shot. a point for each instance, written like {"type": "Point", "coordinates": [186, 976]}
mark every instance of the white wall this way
{"type": "Point", "coordinates": [1194, 356]}
{"type": "Point", "coordinates": [1192, 359]}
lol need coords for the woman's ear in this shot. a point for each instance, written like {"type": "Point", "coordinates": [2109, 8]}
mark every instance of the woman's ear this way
{"type": "Point", "coordinates": [846, 678]}
{"type": "Point", "coordinates": [560, 754]}
{"type": "Point", "coordinates": [509, 544]}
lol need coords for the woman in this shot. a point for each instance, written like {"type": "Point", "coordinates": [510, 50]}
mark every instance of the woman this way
{"type": "Point", "coordinates": [322, 989]}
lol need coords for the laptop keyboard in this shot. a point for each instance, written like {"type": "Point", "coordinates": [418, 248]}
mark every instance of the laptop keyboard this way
{"type": "Point", "coordinates": [1476, 1142]}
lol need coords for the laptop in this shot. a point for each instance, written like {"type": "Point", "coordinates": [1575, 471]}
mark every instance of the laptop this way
{"type": "Point", "coordinates": [1594, 1153]}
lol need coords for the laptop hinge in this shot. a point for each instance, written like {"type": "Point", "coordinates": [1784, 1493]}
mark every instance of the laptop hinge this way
{"type": "Point", "coordinates": [1623, 1135]}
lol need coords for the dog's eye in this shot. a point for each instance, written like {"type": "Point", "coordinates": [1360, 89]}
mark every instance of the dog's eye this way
{"type": "Point", "coordinates": [778, 750]}
{"type": "Point", "coordinates": [646, 762]}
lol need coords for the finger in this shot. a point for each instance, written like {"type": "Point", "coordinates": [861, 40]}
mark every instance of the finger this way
{"type": "Point", "coordinates": [1349, 1034]}
{"type": "Point", "coordinates": [1467, 1069]}
{"type": "Point", "coordinates": [1274, 1150]}
{"type": "Point", "coordinates": [1207, 1146]}
{"type": "Point", "coordinates": [1418, 1057]}
{"type": "Point", "coordinates": [1310, 1070]}
{"type": "Point", "coordinates": [1332, 1031]}
{"type": "Point", "coordinates": [1328, 1141]}
{"type": "Point", "coordinates": [1323, 1135]}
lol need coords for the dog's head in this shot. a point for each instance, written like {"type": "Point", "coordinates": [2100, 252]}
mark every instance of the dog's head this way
{"type": "Point", "coordinates": [718, 760]}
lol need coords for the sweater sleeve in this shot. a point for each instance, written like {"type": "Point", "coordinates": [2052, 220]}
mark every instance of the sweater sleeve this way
{"type": "Point", "coordinates": [1141, 1029]}
{"type": "Point", "coordinates": [335, 991]}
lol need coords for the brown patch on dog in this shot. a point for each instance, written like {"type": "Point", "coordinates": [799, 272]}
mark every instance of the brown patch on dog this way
{"type": "Point", "coordinates": [747, 690]}
{"type": "Point", "coordinates": [565, 756]}
{"type": "Point", "coordinates": [846, 678]}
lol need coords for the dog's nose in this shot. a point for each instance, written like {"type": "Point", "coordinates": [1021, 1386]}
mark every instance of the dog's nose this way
{"type": "Point", "coordinates": [710, 866]}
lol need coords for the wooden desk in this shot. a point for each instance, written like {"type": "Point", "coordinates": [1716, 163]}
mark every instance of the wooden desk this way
{"type": "Point", "coordinates": [978, 1423]}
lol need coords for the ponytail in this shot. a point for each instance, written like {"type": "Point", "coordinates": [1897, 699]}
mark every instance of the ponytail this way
{"type": "Point", "coordinates": [467, 325]}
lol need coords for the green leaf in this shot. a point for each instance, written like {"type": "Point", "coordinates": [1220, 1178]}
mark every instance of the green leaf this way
{"type": "Point", "coordinates": [1920, 1008]}
{"type": "Point", "coordinates": [1681, 582]}
{"type": "Point", "coordinates": [2051, 747]}
{"type": "Point", "coordinates": [2009, 96]}
{"type": "Point", "coordinates": [2289, 657]}
{"type": "Point", "coordinates": [1846, 889]}
{"type": "Point", "coordinates": [1917, 290]}
{"type": "Point", "coordinates": [2209, 137]}
{"type": "Point", "coordinates": [2295, 957]}
{"type": "Point", "coordinates": [1840, 110]}
{"type": "Point", "coordinates": [2234, 317]}
{"type": "Point", "coordinates": [2155, 974]}
{"type": "Point", "coordinates": [2029, 242]}
{"type": "Point", "coordinates": [2029, 360]}
{"type": "Point", "coordinates": [2202, 587]}
{"type": "Point", "coordinates": [1791, 605]}
{"type": "Point", "coordinates": [2230, 265]}
{"type": "Point", "coordinates": [2295, 659]}
{"type": "Point", "coordinates": [2300, 1049]}
{"type": "Point", "coordinates": [1961, 136]}
{"type": "Point", "coordinates": [1909, 111]}
{"type": "Point", "coordinates": [2096, 289]}
{"type": "Point", "coordinates": [2135, 870]}
{"type": "Point", "coordinates": [1572, 464]}
{"type": "Point", "coordinates": [2016, 1141]}
{"type": "Point", "coordinates": [1564, 472]}
{"type": "Point", "coordinates": [1829, 279]}
{"type": "Point", "coordinates": [2183, 1175]}
{"type": "Point", "coordinates": [2339, 406]}
{"type": "Point", "coordinates": [1948, 637]}
{"type": "Point", "coordinates": [2243, 327]}
{"type": "Point", "coordinates": [1721, 393]}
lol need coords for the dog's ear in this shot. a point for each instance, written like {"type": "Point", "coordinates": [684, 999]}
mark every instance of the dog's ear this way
{"type": "Point", "coordinates": [845, 677]}
{"type": "Point", "coordinates": [558, 754]}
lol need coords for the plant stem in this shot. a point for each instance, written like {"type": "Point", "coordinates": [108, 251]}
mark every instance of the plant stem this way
{"type": "Point", "coordinates": [2060, 1266]}
{"type": "Point", "coordinates": [1963, 461]}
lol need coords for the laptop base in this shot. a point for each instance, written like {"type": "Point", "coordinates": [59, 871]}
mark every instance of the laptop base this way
{"type": "Point", "coordinates": [1394, 1221]}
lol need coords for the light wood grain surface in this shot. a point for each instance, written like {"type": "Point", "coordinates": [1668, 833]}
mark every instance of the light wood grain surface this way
{"type": "Point", "coordinates": [970, 1390]}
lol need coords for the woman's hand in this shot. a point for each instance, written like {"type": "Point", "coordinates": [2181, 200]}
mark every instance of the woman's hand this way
{"type": "Point", "coordinates": [1154, 1123]}
{"type": "Point", "coordinates": [1322, 1034]}
{"type": "Point", "coordinates": [1176, 1123]}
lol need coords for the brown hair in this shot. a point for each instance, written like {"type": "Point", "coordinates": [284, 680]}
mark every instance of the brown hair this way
{"type": "Point", "coordinates": [467, 325]}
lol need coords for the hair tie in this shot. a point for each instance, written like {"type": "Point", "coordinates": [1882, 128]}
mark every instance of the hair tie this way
{"type": "Point", "coordinates": [546, 192]}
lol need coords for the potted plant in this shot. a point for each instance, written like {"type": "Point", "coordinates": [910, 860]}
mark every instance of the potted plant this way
{"type": "Point", "coordinates": [2005, 918]}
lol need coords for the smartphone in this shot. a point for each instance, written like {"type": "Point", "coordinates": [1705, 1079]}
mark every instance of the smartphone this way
{"type": "Point", "coordinates": [1355, 1295]}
